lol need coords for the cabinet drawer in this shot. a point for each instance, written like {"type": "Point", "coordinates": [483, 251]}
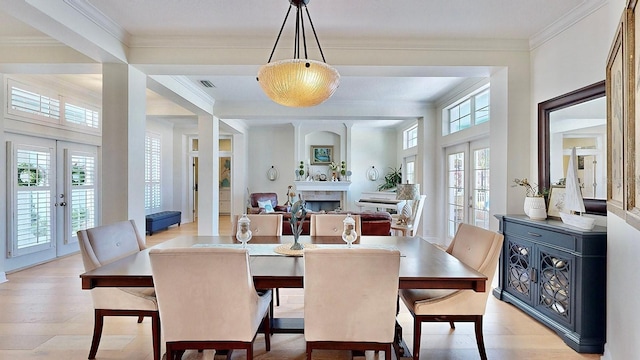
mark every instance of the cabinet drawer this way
{"type": "Point", "coordinates": [540, 235]}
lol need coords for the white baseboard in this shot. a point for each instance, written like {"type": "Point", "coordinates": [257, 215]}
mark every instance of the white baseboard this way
{"type": "Point", "coordinates": [3, 277]}
{"type": "Point", "coordinates": [606, 355]}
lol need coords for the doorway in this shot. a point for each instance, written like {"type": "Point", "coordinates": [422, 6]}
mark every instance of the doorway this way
{"type": "Point", "coordinates": [52, 193]}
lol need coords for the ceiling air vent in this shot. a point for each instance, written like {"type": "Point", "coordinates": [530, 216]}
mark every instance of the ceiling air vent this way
{"type": "Point", "coordinates": [207, 83]}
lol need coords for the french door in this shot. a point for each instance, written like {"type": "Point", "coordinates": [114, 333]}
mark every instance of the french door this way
{"type": "Point", "coordinates": [52, 193]}
{"type": "Point", "coordinates": [467, 185]}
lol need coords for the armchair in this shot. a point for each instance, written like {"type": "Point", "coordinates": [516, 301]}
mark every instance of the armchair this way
{"type": "Point", "coordinates": [479, 249]}
{"type": "Point", "coordinates": [105, 244]}
{"type": "Point", "coordinates": [255, 208]}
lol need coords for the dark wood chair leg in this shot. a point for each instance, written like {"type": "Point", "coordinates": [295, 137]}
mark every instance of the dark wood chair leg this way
{"type": "Point", "coordinates": [417, 333]}
{"type": "Point", "coordinates": [480, 337]}
{"type": "Point", "coordinates": [266, 326]}
{"type": "Point", "coordinates": [170, 355]}
{"type": "Point", "coordinates": [140, 318]}
{"type": "Point", "coordinates": [451, 323]}
{"type": "Point", "coordinates": [98, 323]}
{"type": "Point", "coordinates": [277, 292]}
{"type": "Point", "coordinates": [387, 353]}
{"type": "Point", "coordinates": [155, 329]}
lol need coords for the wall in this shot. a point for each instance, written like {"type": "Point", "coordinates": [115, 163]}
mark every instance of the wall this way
{"type": "Point", "coordinates": [571, 60]}
{"type": "Point", "coordinates": [269, 146]}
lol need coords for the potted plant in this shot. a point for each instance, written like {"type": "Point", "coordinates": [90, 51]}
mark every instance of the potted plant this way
{"type": "Point", "coordinates": [534, 203]}
{"type": "Point", "coordinates": [391, 179]}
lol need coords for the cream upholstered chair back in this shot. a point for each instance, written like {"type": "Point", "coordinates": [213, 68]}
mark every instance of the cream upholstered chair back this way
{"type": "Point", "coordinates": [206, 294]}
{"type": "Point", "coordinates": [331, 224]}
{"type": "Point", "coordinates": [261, 224]}
{"type": "Point", "coordinates": [104, 244]}
{"type": "Point", "coordinates": [350, 295]}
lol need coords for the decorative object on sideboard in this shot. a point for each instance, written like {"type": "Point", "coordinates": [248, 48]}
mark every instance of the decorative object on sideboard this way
{"type": "Point", "coordinates": [534, 203]}
{"type": "Point", "coordinates": [571, 213]}
{"type": "Point", "coordinates": [298, 214]}
{"type": "Point", "coordinates": [372, 173]}
{"type": "Point", "coordinates": [298, 82]}
{"type": "Point", "coordinates": [392, 179]}
{"type": "Point", "coordinates": [272, 173]}
{"type": "Point", "coordinates": [408, 193]}
{"type": "Point", "coordinates": [244, 232]}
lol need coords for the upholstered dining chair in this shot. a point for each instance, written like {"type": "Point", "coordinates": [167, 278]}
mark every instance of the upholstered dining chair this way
{"type": "Point", "coordinates": [262, 225]}
{"type": "Point", "coordinates": [477, 248]}
{"type": "Point", "coordinates": [331, 224]}
{"type": "Point", "coordinates": [102, 245]}
{"type": "Point", "coordinates": [350, 298]}
{"type": "Point", "coordinates": [207, 300]}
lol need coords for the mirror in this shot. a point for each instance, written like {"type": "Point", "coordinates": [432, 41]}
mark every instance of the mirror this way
{"type": "Point", "coordinates": [575, 119]}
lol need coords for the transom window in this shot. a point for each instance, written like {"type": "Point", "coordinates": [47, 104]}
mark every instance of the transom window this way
{"type": "Point", "coordinates": [410, 137]}
{"type": "Point", "coordinates": [467, 112]}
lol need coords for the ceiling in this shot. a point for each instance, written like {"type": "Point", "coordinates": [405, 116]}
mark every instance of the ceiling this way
{"type": "Point", "coordinates": [340, 24]}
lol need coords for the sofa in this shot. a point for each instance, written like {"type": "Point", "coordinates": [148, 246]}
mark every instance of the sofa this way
{"type": "Point", "coordinates": [371, 223]}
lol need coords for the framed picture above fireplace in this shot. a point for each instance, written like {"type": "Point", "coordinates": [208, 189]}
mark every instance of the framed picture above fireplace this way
{"type": "Point", "coordinates": [321, 154]}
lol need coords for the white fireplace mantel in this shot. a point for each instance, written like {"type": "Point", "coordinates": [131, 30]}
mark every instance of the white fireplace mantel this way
{"type": "Point", "coordinates": [322, 185]}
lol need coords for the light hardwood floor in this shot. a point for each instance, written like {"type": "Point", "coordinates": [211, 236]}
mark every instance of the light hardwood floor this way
{"type": "Point", "coordinates": [45, 315]}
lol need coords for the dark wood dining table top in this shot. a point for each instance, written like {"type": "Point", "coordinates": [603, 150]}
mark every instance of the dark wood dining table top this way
{"type": "Point", "coordinates": [422, 264]}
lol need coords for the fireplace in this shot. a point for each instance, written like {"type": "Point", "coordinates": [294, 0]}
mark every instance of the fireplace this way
{"type": "Point", "coordinates": [323, 195]}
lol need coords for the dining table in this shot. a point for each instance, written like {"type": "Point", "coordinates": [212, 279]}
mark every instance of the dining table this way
{"type": "Point", "coordinates": [422, 266]}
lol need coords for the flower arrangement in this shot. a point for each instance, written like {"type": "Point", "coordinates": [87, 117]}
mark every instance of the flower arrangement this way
{"type": "Point", "coordinates": [530, 190]}
{"type": "Point", "coordinates": [333, 166]}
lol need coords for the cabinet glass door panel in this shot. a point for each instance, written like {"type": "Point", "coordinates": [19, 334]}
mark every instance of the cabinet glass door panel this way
{"type": "Point", "coordinates": [554, 284]}
{"type": "Point", "coordinates": [519, 269]}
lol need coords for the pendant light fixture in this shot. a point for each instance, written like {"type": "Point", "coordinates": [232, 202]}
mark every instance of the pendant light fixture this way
{"type": "Point", "coordinates": [298, 82]}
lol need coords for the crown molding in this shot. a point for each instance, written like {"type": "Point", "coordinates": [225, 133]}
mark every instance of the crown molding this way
{"type": "Point", "coordinates": [94, 15]}
{"type": "Point", "coordinates": [571, 18]}
{"type": "Point", "coordinates": [28, 41]}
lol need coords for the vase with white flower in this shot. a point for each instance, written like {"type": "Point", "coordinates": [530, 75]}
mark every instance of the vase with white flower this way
{"type": "Point", "coordinates": [535, 206]}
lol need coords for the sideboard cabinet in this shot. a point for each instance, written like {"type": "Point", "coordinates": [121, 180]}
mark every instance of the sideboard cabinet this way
{"type": "Point", "coordinates": [556, 273]}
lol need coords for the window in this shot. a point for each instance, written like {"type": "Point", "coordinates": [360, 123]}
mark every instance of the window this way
{"type": "Point", "coordinates": [455, 191]}
{"type": "Point", "coordinates": [34, 104]}
{"type": "Point", "coordinates": [31, 102]}
{"type": "Point", "coordinates": [410, 169]}
{"type": "Point", "coordinates": [410, 137]}
{"type": "Point", "coordinates": [481, 188]}
{"type": "Point", "coordinates": [33, 215]}
{"type": "Point", "coordinates": [152, 185]}
{"type": "Point", "coordinates": [467, 112]}
{"type": "Point", "coordinates": [83, 191]}
{"type": "Point", "coordinates": [80, 115]}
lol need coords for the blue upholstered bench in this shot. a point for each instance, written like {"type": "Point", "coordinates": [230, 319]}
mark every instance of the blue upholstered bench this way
{"type": "Point", "coordinates": [162, 220]}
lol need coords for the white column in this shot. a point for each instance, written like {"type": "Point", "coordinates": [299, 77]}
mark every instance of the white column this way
{"type": "Point", "coordinates": [208, 174]}
{"type": "Point", "coordinates": [123, 132]}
